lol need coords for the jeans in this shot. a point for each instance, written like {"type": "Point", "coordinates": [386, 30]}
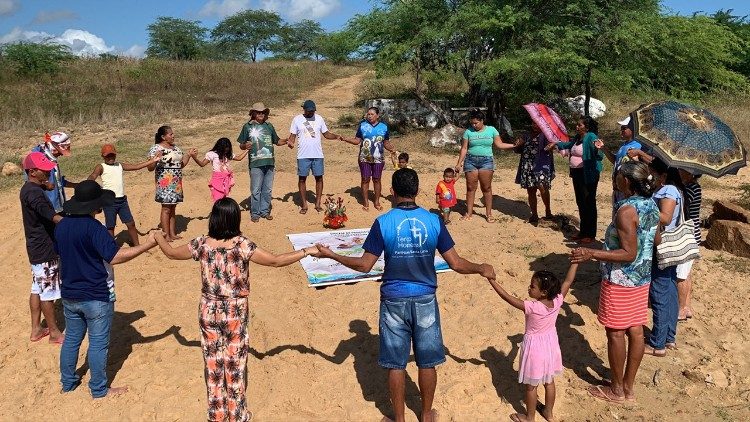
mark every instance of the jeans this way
{"type": "Point", "coordinates": [261, 184]}
{"type": "Point", "coordinates": [80, 316]}
{"type": "Point", "coordinates": [406, 320]}
{"type": "Point", "coordinates": [586, 201]}
{"type": "Point", "coordinates": [478, 162]}
{"type": "Point", "coordinates": [663, 297]}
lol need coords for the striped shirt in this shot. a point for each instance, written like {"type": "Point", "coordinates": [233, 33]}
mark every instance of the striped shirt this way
{"type": "Point", "coordinates": [693, 207]}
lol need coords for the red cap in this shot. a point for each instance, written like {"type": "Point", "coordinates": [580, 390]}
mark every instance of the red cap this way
{"type": "Point", "coordinates": [37, 160]}
{"type": "Point", "coordinates": [108, 149]}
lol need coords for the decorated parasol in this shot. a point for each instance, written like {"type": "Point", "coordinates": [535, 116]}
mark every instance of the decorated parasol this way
{"type": "Point", "coordinates": [688, 137]}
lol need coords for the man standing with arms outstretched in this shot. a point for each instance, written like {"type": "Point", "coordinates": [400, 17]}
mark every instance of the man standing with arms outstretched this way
{"type": "Point", "coordinates": [308, 128]}
{"type": "Point", "coordinates": [409, 236]}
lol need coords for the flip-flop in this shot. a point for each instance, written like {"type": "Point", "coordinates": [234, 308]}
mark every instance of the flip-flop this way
{"type": "Point", "coordinates": [491, 219]}
{"type": "Point", "coordinates": [604, 393]}
{"type": "Point", "coordinates": [58, 341]}
{"type": "Point", "coordinates": [649, 350]}
{"type": "Point", "coordinates": [45, 333]}
{"type": "Point", "coordinates": [464, 217]}
{"type": "Point", "coordinates": [303, 210]}
{"type": "Point", "coordinates": [378, 207]}
{"type": "Point", "coordinates": [268, 217]}
{"type": "Point", "coordinates": [318, 209]}
{"type": "Point", "coordinates": [515, 418]}
{"type": "Point", "coordinates": [365, 208]}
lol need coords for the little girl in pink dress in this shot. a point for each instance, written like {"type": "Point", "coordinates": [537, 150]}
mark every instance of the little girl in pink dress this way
{"type": "Point", "coordinates": [540, 352]}
{"type": "Point", "coordinates": [222, 178]}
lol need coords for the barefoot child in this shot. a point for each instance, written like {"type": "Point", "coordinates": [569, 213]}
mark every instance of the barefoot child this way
{"type": "Point", "coordinates": [445, 194]}
{"type": "Point", "coordinates": [225, 256]}
{"type": "Point", "coordinates": [540, 352]}
{"type": "Point", "coordinates": [111, 172]}
{"type": "Point", "coordinates": [222, 178]}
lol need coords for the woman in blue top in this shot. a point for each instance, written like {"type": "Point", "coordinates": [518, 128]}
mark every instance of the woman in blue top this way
{"type": "Point", "coordinates": [585, 166]}
{"type": "Point", "coordinates": [478, 163]}
{"type": "Point", "coordinates": [663, 291]}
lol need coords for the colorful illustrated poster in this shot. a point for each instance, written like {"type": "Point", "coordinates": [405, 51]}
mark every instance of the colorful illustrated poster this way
{"type": "Point", "coordinates": [326, 272]}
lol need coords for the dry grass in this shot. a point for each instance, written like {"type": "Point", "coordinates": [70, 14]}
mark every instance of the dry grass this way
{"type": "Point", "coordinates": [125, 93]}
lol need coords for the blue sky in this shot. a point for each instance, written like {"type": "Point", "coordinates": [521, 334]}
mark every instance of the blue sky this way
{"type": "Point", "coordinates": [119, 27]}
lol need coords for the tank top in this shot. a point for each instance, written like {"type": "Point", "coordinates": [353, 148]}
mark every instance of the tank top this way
{"type": "Point", "coordinates": [112, 179]}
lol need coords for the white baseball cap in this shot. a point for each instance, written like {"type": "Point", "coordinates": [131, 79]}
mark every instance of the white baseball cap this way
{"type": "Point", "coordinates": [625, 121]}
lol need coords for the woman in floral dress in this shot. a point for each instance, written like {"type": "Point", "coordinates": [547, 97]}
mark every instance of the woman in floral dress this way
{"type": "Point", "coordinates": [536, 169]}
{"type": "Point", "coordinates": [224, 256]}
{"type": "Point", "coordinates": [168, 177]}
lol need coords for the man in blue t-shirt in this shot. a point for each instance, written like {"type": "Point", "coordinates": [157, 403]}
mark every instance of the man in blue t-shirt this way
{"type": "Point", "coordinates": [86, 250]}
{"type": "Point", "coordinates": [409, 235]}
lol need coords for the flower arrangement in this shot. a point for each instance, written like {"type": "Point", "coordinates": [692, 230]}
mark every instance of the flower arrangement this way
{"type": "Point", "coordinates": [335, 213]}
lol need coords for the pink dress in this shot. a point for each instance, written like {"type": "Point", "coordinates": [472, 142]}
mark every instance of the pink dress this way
{"type": "Point", "coordinates": [540, 352]}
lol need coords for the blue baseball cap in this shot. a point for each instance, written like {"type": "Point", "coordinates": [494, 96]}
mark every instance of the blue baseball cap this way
{"type": "Point", "coordinates": [308, 105]}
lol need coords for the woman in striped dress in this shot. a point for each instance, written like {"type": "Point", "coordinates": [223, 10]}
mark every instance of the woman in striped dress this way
{"type": "Point", "coordinates": [626, 274]}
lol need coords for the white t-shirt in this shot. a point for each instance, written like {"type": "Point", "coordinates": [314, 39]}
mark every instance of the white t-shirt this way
{"type": "Point", "coordinates": [309, 135]}
{"type": "Point", "coordinates": [217, 163]}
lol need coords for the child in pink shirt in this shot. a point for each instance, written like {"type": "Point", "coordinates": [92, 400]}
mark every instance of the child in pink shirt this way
{"type": "Point", "coordinates": [222, 178]}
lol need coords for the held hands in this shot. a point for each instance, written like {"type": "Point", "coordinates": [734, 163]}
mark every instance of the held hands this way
{"type": "Point", "coordinates": [324, 251]}
{"type": "Point", "coordinates": [578, 255]}
{"type": "Point", "coordinates": [634, 154]}
{"type": "Point", "coordinates": [550, 146]}
{"type": "Point", "coordinates": [312, 251]}
{"type": "Point", "coordinates": [488, 272]}
{"type": "Point", "coordinates": [599, 144]}
{"type": "Point", "coordinates": [193, 152]}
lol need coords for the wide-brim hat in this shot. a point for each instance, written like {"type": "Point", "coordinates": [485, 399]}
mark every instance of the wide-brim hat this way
{"type": "Point", "coordinates": [60, 141]}
{"type": "Point", "coordinates": [259, 107]}
{"type": "Point", "coordinates": [88, 197]}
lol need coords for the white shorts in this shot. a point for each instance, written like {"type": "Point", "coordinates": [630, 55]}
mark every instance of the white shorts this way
{"type": "Point", "coordinates": [45, 280]}
{"type": "Point", "coordinates": [683, 270]}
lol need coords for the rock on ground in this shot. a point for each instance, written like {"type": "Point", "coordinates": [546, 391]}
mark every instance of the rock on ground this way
{"type": "Point", "coordinates": [11, 169]}
{"type": "Point", "coordinates": [446, 135]}
{"type": "Point", "coordinates": [729, 236]}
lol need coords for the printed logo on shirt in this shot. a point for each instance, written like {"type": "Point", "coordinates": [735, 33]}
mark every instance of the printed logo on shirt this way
{"type": "Point", "coordinates": [411, 234]}
{"type": "Point", "coordinates": [310, 129]}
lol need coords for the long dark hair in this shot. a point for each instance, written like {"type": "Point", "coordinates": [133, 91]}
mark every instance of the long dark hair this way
{"type": "Point", "coordinates": [224, 221]}
{"type": "Point", "coordinates": [223, 147]}
{"type": "Point", "coordinates": [161, 132]}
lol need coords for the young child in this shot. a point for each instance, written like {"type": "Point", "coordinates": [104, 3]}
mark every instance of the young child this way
{"type": "Point", "coordinates": [222, 179]}
{"type": "Point", "coordinates": [111, 172]}
{"type": "Point", "coordinates": [445, 194]}
{"type": "Point", "coordinates": [540, 358]}
{"type": "Point", "coordinates": [403, 160]}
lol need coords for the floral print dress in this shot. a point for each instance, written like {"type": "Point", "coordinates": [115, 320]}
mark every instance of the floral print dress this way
{"type": "Point", "coordinates": [223, 320]}
{"type": "Point", "coordinates": [168, 174]}
{"type": "Point", "coordinates": [536, 167]}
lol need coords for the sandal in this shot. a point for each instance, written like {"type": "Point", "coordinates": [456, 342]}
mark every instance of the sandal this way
{"type": "Point", "coordinates": [605, 393]}
{"type": "Point", "coordinates": [491, 219]}
{"type": "Point", "coordinates": [318, 208]}
{"type": "Point", "coordinates": [303, 210]}
{"type": "Point", "coordinates": [534, 219]}
{"type": "Point", "coordinates": [659, 353]}
{"type": "Point", "coordinates": [268, 217]}
{"type": "Point", "coordinates": [378, 207]}
{"type": "Point", "coordinates": [671, 346]}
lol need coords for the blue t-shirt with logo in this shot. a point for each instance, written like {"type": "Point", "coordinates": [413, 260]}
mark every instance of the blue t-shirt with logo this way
{"type": "Point", "coordinates": [622, 153]}
{"type": "Point", "coordinates": [84, 246]}
{"type": "Point", "coordinates": [371, 148]}
{"type": "Point", "coordinates": [409, 236]}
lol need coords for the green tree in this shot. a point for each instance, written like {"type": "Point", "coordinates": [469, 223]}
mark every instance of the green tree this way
{"type": "Point", "coordinates": [35, 59]}
{"type": "Point", "coordinates": [338, 46]}
{"type": "Point", "coordinates": [245, 34]}
{"type": "Point", "coordinates": [177, 39]}
{"type": "Point", "coordinates": [298, 41]}
{"type": "Point", "coordinates": [740, 26]}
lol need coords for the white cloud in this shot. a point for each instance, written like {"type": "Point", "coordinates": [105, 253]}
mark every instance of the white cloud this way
{"type": "Point", "coordinates": [44, 16]}
{"type": "Point", "coordinates": [9, 7]}
{"type": "Point", "coordinates": [81, 43]}
{"type": "Point", "coordinates": [301, 9]}
{"type": "Point", "coordinates": [136, 51]}
{"type": "Point", "coordinates": [223, 8]}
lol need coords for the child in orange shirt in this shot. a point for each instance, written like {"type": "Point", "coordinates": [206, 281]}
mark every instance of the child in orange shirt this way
{"type": "Point", "coordinates": [445, 194]}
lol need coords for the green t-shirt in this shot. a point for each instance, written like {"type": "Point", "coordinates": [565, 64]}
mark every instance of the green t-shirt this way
{"type": "Point", "coordinates": [480, 143]}
{"type": "Point", "coordinates": [262, 138]}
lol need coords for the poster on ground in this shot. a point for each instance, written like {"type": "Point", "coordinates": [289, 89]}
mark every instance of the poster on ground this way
{"type": "Point", "coordinates": [326, 272]}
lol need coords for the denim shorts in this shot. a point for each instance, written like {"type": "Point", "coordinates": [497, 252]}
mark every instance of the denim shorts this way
{"type": "Point", "coordinates": [121, 208]}
{"type": "Point", "coordinates": [408, 320]}
{"type": "Point", "coordinates": [478, 162]}
{"type": "Point", "coordinates": [305, 165]}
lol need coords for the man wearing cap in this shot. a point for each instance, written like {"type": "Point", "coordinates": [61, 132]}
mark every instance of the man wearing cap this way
{"type": "Point", "coordinates": [54, 146]}
{"type": "Point", "coordinates": [88, 292]}
{"type": "Point", "coordinates": [308, 128]}
{"type": "Point", "coordinates": [259, 136]}
{"type": "Point", "coordinates": [39, 219]}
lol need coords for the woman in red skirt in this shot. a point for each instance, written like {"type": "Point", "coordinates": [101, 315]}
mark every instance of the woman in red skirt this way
{"type": "Point", "coordinates": [626, 274]}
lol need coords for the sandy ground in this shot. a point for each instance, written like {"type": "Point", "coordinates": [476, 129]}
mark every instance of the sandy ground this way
{"type": "Point", "coordinates": [155, 339]}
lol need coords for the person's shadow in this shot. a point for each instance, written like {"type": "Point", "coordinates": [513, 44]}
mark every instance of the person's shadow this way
{"type": "Point", "coordinates": [294, 196]}
{"type": "Point", "coordinates": [122, 338]}
{"type": "Point", "coordinates": [504, 377]}
{"type": "Point", "coordinates": [373, 379]}
{"type": "Point", "coordinates": [181, 222]}
{"type": "Point", "coordinates": [182, 340]}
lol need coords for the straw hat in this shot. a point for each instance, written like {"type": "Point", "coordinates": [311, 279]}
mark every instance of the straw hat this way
{"type": "Point", "coordinates": [259, 107]}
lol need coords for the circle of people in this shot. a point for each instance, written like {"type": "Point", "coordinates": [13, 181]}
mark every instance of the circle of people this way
{"type": "Point", "coordinates": [72, 254]}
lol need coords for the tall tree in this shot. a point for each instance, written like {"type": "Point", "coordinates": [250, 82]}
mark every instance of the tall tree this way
{"type": "Point", "coordinates": [337, 46]}
{"type": "Point", "coordinates": [178, 39]}
{"type": "Point", "coordinates": [299, 41]}
{"type": "Point", "coordinates": [245, 34]}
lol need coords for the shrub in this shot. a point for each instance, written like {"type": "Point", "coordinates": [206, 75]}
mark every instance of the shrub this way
{"type": "Point", "coordinates": [35, 59]}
